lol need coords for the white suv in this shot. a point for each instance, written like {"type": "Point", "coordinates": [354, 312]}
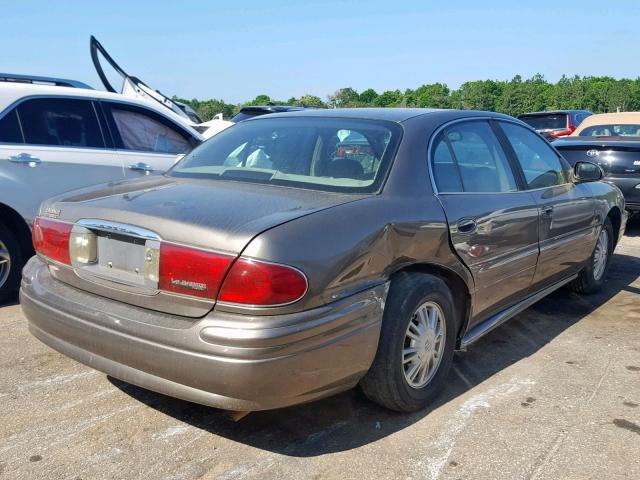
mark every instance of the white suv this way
{"type": "Point", "coordinates": [57, 135]}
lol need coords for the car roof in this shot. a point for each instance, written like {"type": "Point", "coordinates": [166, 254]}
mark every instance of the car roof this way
{"type": "Point", "coordinates": [551, 112]}
{"type": "Point", "coordinates": [620, 118]}
{"type": "Point", "coordinates": [272, 108]}
{"type": "Point", "coordinates": [398, 115]}
{"type": "Point", "coordinates": [11, 92]}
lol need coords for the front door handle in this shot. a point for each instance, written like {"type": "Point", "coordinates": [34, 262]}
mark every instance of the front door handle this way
{"type": "Point", "coordinates": [142, 167]}
{"type": "Point", "coordinates": [547, 210]}
{"type": "Point", "coordinates": [25, 158]}
{"type": "Point", "coordinates": [467, 225]}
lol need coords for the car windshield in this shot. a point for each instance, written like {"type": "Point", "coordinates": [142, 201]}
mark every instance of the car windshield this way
{"type": "Point", "coordinates": [627, 130]}
{"type": "Point", "coordinates": [552, 121]}
{"type": "Point", "coordinates": [331, 154]}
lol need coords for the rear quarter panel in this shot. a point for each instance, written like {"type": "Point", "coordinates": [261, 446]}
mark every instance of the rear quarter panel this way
{"type": "Point", "coordinates": [347, 248]}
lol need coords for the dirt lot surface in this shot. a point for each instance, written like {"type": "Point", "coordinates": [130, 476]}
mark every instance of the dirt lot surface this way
{"type": "Point", "coordinates": [553, 394]}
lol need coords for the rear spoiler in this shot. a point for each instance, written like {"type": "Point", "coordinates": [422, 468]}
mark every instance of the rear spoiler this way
{"type": "Point", "coordinates": [132, 86]}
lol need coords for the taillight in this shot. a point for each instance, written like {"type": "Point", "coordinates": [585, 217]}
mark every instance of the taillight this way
{"type": "Point", "coordinates": [252, 282]}
{"type": "Point", "coordinates": [51, 239]}
{"type": "Point", "coordinates": [191, 271]}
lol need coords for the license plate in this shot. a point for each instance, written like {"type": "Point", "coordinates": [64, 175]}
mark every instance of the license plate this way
{"type": "Point", "coordinates": [120, 256]}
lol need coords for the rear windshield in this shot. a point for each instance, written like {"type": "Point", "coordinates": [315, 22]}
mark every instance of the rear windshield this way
{"type": "Point", "coordinates": [553, 121]}
{"type": "Point", "coordinates": [331, 154]}
{"type": "Point", "coordinates": [629, 130]}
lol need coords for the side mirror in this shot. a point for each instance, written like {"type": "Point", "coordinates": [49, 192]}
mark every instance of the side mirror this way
{"type": "Point", "coordinates": [587, 172]}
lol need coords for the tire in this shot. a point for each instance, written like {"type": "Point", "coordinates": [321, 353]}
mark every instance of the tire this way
{"type": "Point", "coordinates": [386, 382]}
{"type": "Point", "coordinates": [11, 268]}
{"type": "Point", "coordinates": [590, 279]}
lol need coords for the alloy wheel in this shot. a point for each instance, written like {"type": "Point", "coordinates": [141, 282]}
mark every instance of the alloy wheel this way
{"type": "Point", "coordinates": [5, 263]}
{"type": "Point", "coordinates": [600, 255]}
{"type": "Point", "coordinates": [423, 345]}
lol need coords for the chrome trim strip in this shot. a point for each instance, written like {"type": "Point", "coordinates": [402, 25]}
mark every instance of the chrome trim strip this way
{"type": "Point", "coordinates": [121, 228]}
{"type": "Point", "coordinates": [496, 320]}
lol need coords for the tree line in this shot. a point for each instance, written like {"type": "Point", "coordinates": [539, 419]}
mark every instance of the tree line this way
{"type": "Point", "coordinates": [597, 94]}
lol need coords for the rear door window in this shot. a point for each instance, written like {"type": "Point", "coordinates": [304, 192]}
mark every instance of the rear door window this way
{"type": "Point", "coordinates": [473, 150]}
{"type": "Point", "coordinates": [541, 165]}
{"type": "Point", "coordinates": [141, 130]}
{"type": "Point", "coordinates": [10, 128]}
{"type": "Point", "coordinates": [62, 122]}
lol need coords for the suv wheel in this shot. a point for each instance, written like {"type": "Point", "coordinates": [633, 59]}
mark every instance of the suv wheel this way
{"type": "Point", "coordinates": [11, 263]}
{"type": "Point", "coordinates": [416, 344]}
{"type": "Point", "coordinates": [592, 276]}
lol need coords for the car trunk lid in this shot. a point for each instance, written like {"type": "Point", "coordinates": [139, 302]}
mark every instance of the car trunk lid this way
{"type": "Point", "coordinates": [131, 220]}
{"type": "Point", "coordinates": [614, 155]}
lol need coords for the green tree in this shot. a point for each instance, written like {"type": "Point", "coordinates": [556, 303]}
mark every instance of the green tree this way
{"type": "Point", "coordinates": [368, 96]}
{"type": "Point", "coordinates": [389, 98]}
{"type": "Point", "coordinates": [345, 97]}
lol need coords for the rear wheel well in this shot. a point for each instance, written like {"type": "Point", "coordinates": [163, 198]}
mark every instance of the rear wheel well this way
{"type": "Point", "coordinates": [457, 287]}
{"type": "Point", "coordinates": [616, 220]}
{"type": "Point", "coordinates": [14, 222]}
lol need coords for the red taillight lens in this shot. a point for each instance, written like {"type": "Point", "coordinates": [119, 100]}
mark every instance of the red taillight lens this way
{"type": "Point", "coordinates": [191, 271]}
{"type": "Point", "coordinates": [51, 239]}
{"type": "Point", "coordinates": [251, 282]}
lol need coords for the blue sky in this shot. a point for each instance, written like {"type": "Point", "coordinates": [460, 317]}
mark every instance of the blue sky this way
{"type": "Point", "coordinates": [237, 50]}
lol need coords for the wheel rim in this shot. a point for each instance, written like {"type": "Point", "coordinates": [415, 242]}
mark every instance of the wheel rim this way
{"type": "Point", "coordinates": [600, 255]}
{"type": "Point", "coordinates": [5, 263]}
{"type": "Point", "coordinates": [423, 345]}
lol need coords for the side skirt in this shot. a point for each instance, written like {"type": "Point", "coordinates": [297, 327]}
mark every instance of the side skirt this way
{"type": "Point", "coordinates": [498, 319]}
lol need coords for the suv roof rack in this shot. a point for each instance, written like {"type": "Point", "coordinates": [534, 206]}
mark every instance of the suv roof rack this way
{"type": "Point", "coordinates": [58, 82]}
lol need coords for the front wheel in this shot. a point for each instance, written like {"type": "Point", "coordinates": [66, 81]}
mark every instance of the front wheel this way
{"type": "Point", "coordinates": [592, 276]}
{"type": "Point", "coordinates": [416, 344]}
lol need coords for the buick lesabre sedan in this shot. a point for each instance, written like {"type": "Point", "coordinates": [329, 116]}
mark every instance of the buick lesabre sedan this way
{"type": "Point", "coordinates": [297, 255]}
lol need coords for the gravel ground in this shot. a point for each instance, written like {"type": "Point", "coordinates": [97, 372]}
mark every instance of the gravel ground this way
{"type": "Point", "coordinates": [554, 393]}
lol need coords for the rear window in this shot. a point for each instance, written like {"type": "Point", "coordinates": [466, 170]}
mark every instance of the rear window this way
{"type": "Point", "coordinates": [552, 121]}
{"type": "Point", "coordinates": [629, 130]}
{"type": "Point", "coordinates": [330, 154]}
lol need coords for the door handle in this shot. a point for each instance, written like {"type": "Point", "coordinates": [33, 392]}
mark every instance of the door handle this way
{"type": "Point", "coordinates": [467, 225]}
{"type": "Point", "coordinates": [547, 210]}
{"type": "Point", "coordinates": [25, 158]}
{"type": "Point", "coordinates": [142, 167]}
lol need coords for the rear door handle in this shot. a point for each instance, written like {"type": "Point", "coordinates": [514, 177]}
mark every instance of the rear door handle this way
{"type": "Point", "coordinates": [25, 158]}
{"type": "Point", "coordinates": [547, 210]}
{"type": "Point", "coordinates": [143, 167]}
{"type": "Point", "coordinates": [467, 225]}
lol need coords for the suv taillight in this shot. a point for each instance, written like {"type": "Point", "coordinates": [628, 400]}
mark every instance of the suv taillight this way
{"type": "Point", "coordinates": [252, 282]}
{"type": "Point", "coordinates": [191, 271]}
{"type": "Point", "coordinates": [51, 239]}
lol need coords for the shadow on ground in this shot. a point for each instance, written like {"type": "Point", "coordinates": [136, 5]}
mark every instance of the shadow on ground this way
{"type": "Point", "coordinates": [348, 420]}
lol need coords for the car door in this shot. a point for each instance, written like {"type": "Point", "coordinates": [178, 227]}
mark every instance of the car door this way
{"type": "Point", "coordinates": [147, 142]}
{"type": "Point", "coordinates": [493, 223]}
{"type": "Point", "coordinates": [49, 145]}
{"type": "Point", "coordinates": [568, 221]}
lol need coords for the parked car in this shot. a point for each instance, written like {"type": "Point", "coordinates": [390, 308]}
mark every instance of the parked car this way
{"type": "Point", "coordinates": [612, 140]}
{"type": "Point", "coordinates": [293, 256]}
{"type": "Point", "coordinates": [555, 123]}
{"type": "Point", "coordinates": [58, 135]}
{"type": "Point", "coordinates": [257, 110]}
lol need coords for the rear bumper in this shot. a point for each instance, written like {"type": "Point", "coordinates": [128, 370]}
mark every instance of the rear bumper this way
{"type": "Point", "coordinates": [227, 361]}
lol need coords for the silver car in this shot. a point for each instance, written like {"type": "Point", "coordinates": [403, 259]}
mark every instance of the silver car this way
{"type": "Point", "coordinates": [58, 135]}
